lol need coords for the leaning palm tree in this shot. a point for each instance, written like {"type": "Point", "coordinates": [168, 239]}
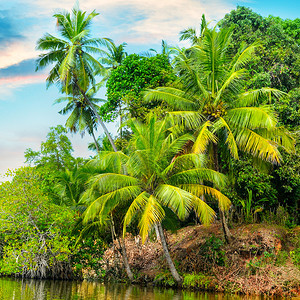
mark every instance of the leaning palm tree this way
{"type": "Point", "coordinates": [154, 176]}
{"type": "Point", "coordinates": [82, 118]}
{"type": "Point", "coordinates": [72, 56]}
{"type": "Point", "coordinates": [211, 100]}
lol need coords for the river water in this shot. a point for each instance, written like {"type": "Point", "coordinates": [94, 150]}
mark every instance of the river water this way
{"type": "Point", "coordinates": [12, 289]}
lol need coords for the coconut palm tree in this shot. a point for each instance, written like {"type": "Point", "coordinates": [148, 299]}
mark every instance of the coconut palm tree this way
{"type": "Point", "coordinates": [165, 50]}
{"type": "Point", "coordinates": [114, 57]}
{"type": "Point", "coordinates": [111, 59]}
{"type": "Point", "coordinates": [72, 56]}
{"type": "Point", "coordinates": [190, 33]}
{"type": "Point", "coordinates": [211, 100]}
{"type": "Point", "coordinates": [155, 175]}
{"type": "Point", "coordinates": [82, 117]}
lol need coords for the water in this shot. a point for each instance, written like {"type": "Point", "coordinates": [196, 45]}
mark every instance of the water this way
{"type": "Point", "coordinates": [12, 289]}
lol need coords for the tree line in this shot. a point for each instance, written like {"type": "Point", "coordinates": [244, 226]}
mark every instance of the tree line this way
{"type": "Point", "coordinates": [207, 132]}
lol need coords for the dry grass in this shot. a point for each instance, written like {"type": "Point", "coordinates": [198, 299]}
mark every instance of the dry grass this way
{"type": "Point", "coordinates": [249, 264]}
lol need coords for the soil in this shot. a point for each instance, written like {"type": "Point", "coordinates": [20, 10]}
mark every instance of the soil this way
{"type": "Point", "coordinates": [257, 261]}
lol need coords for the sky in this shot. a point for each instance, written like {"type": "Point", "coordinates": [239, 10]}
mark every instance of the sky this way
{"type": "Point", "coordinates": [26, 106]}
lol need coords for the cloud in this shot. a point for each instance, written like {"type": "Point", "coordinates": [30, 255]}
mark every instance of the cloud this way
{"type": "Point", "coordinates": [24, 67]}
{"type": "Point", "coordinates": [16, 76]}
{"type": "Point", "coordinates": [136, 22]}
{"type": "Point", "coordinates": [9, 31]}
{"type": "Point", "coordinates": [147, 22]}
{"type": "Point", "coordinates": [151, 21]}
{"type": "Point", "coordinates": [9, 85]}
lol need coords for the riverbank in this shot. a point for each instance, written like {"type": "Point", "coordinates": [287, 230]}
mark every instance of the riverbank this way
{"type": "Point", "coordinates": [262, 259]}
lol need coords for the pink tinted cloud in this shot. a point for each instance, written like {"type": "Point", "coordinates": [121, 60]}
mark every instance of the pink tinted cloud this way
{"type": "Point", "coordinates": [25, 79]}
{"type": "Point", "coordinates": [9, 84]}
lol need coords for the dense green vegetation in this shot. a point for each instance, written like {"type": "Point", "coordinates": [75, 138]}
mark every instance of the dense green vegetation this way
{"type": "Point", "coordinates": [218, 120]}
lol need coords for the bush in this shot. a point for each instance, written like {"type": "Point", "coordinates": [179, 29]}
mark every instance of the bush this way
{"type": "Point", "coordinates": [36, 233]}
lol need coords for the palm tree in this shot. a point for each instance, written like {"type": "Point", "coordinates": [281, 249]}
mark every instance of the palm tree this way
{"type": "Point", "coordinates": [113, 57]}
{"type": "Point", "coordinates": [191, 34]}
{"type": "Point", "coordinates": [72, 56]}
{"type": "Point", "coordinates": [165, 50]}
{"type": "Point", "coordinates": [155, 175]}
{"type": "Point", "coordinates": [211, 100]}
{"type": "Point", "coordinates": [82, 117]}
{"type": "Point", "coordinates": [70, 185]}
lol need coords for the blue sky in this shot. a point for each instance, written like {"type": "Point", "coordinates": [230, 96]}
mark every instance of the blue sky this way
{"type": "Point", "coordinates": [26, 106]}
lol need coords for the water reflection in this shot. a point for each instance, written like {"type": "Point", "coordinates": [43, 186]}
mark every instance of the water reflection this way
{"type": "Point", "coordinates": [11, 289]}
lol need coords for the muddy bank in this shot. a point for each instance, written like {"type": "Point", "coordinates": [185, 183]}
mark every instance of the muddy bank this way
{"type": "Point", "coordinates": [262, 259]}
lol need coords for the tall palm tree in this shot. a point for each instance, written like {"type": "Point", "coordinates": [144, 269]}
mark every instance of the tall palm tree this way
{"type": "Point", "coordinates": [155, 175]}
{"type": "Point", "coordinates": [72, 55]}
{"type": "Point", "coordinates": [211, 100]}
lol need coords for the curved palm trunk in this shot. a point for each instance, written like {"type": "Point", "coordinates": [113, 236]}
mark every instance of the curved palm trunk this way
{"type": "Point", "coordinates": [122, 244]}
{"type": "Point", "coordinates": [226, 231]}
{"type": "Point", "coordinates": [99, 118]}
{"type": "Point", "coordinates": [170, 263]}
{"type": "Point", "coordinates": [102, 124]}
{"type": "Point", "coordinates": [95, 141]}
{"type": "Point", "coordinates": [125, 259]}
{"type": "Point", "coordinates": [123, 250]}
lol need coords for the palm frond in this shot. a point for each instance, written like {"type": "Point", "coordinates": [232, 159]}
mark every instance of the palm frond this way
{"type": "Point", "coordinates": [180, 201]}
{"type": "Point", "coordinates": [204, 137]}
{"type": "Point", "coordinates": [252, 97]}
{"type": "Point", "coordinates": [251, 117]}
{"type": "Point", "coordinates": [200, 190]}
{"type": "Point", "coordinates": [197, 175]}
{"type": "Point", "coordinates": [256, 145]}
{"type": "Point", "coordinates": [230, 141]}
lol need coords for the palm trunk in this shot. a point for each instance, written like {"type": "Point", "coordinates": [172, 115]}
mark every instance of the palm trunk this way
{"type": "Point", "coordinates": [102, 124]}
{"type": "Point", "coordinates": [157, 232]}
{"type": "Point", "coordinates": [99, 118]}
{"type": "Point", "coordinates": [125, 259]}
{"type": "Point", "coordinates": [123, 250]}
{"type": "Point", "coordinates": [170, 263]}
{"type": "Point", "coordinates": [95, 141]}
{"type": "Point", "coordinates": [227, 234]}
{"type": "Point", "coordinates": [121, 120]}
{"type": "Point", "coordinates": [122, 244]}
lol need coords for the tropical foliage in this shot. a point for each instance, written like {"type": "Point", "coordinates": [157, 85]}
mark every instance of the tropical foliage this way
{"type": "Point", "coordinates": [153, 177]}
{"type": "Point", "coordinates": [212, 125]}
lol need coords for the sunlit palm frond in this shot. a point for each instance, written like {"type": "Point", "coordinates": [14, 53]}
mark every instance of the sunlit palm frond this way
{"type": "Point", "coordinates": [243, 56]}
{"type": "Point", "coordinates": [180, 201]}
{"type": "Point", "coordinates": [152, 213]}
{"type": "Point", "coordinates": [256, 145]}
{"type": "Point", "coordinates": [204, 137]}
{"type": "Point", "coordinates": [230, 141]}
{"type": "Point", "coordinates": [172, 96]}
{"type": "Point", "coordinates": [197, 175]}
{"type": "Point", "coordinates": [200, 190]}
{"type": "Point", "coordinates": [101, 206]}
{"type": "Point", "coordinates": [190, 119]}
{"type": "Point", "coordinates": [253, 97]}
{"type": "Point", "coordinates": [251, 117]}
